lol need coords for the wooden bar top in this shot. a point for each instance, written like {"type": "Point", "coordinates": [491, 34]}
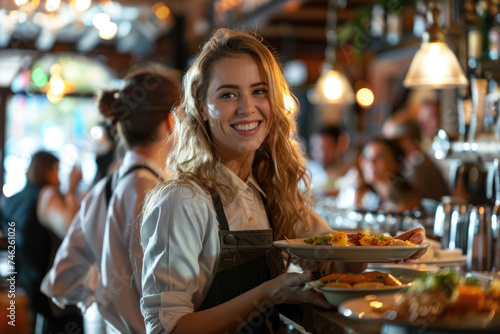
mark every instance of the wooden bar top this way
{"type": "Point", "coordinates": [320, 321]}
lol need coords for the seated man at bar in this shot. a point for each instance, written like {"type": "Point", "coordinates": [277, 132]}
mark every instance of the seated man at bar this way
{"type": "Point", "coordinates": [418, 167]}
{"type": "Point", "coordinates": [327, 166]}
{"type": "Point", "coordinates": [207, 231]}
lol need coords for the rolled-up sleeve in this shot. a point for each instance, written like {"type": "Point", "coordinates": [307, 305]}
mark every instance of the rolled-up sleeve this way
{"type": "Point", "coordinates": [175, 271]}
{"type": "Point", "coordinates": [74, 277]}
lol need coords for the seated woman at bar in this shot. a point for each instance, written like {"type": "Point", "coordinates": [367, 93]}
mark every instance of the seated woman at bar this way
{"type": "Point", "coordinates": [40, 215]}
{"type": "Point", "coordinates": [207, 233]}
{"type": "Point", "coordinates": [382, 166]}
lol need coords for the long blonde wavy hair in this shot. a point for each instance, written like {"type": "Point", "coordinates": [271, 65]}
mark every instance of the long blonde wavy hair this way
{"type": "Point", "coordinates": [278, 165]}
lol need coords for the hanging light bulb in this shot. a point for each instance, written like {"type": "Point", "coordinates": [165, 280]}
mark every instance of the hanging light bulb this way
{"type": "Point", "coordinates": [57, 86]}
{"type": "Point", "coordinates": [434, 65]}
{"type": "Point", "coordinates": [332, 87]}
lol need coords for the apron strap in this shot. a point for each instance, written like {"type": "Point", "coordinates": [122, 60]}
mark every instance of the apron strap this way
{"type": "Point", "coordinates": [221, 216]}
{"type": "Point", "coordinates": [219, 210]}
{"type": "Point", "coordinates": [269, 218]}
{"type": "Point", "coordinates": [133, 168]}
{"type": "Point", "coordinates": [109, 188]}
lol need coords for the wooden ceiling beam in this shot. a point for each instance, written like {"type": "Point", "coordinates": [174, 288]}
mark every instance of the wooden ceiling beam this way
{"type": "Point", "coordinates": [284, 31]}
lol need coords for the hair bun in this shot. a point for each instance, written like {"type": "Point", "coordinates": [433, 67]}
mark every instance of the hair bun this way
{"type": "Point", "coordinates": [107, 103]}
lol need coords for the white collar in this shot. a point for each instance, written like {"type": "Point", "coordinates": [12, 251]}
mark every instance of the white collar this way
{"type": "Point", "coordinates": [238, 185]}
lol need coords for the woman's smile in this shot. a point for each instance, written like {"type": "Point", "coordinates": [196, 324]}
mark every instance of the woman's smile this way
{"type": "Point", "coordinates": [246, 129]}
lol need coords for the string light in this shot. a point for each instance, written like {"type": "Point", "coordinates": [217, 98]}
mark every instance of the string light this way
{"type": "Point", "coordinates": [75, 16]}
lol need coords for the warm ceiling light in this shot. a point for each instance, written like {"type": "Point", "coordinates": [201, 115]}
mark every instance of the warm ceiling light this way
{"type": "Point", "coordinates": [365, 97]}
{"type": "Point", "coordinates": [161, 11]}
{"type": "Point", "coordinates": [52, 5]}
{"type": "Point", "coordinates": [108, 31]}
{"type": "Point", "coordinates": [57, 85]}
{"type": "Point", "coordinates": [80, 5]}
{"type": "Point", "coordinates": [434, 65]}
{"type": "Point", "coordinates": [332, 86]}
{"type": "Point", "coordinates": [21, 2]}
{"type": "Point", "coordinates": [100, 20]}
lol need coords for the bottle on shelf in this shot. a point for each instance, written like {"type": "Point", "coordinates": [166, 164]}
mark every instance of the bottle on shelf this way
{"type": "Point", "coordinates": [494, 32]}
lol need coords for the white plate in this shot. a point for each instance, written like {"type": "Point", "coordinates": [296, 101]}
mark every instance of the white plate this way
{"type": "Point", "coordinates": [410, 270]}
{"type": "Point", "coordinates": [348, 253]}
{"type": "Point", "coordinates": [450, 262]}
{"type": "Point", "coordinates": [336, 296]}
{"type": "Point", "coordinates": [374, 307]}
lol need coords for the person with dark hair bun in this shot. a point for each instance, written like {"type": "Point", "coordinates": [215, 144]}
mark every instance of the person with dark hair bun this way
{"type": "Point", "coordinates": [101, 258]}
{"type": "Point", "coordinates": [41, 216]}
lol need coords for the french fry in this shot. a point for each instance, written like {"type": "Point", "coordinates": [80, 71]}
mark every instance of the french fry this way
{"type": "Point", "coordinates": [391, 280]}
{"type": "Point", "coordinates": [331, 277]}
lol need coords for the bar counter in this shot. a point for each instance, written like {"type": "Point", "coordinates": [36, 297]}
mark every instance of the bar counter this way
{"type": "Point", "coordinates": [319, 321]}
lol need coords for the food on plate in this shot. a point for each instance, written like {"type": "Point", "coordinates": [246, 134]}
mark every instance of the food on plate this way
{"type": "Point", "coordinates": [368, 279]}
{"type": "Point", "coordinates": [356, 239]}
{"type": "Point", "coordinates": [446, 296]}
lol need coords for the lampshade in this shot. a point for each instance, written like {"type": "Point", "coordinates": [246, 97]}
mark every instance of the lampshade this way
{"type": "Point", "coordinates": [435, 66]}
{"type": "Point", "coordinates": [333, 88]}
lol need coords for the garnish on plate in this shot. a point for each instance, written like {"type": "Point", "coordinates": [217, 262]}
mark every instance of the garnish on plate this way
{"type": "Point", "coordinates": [447, 296]}
{"type": "Point", "coordinates": [356, 239]}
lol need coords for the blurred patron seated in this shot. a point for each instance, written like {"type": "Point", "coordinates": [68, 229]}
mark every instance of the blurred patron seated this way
{"type": "Point", "coordinates": [41, 216]}
{"type": "Point", "coordinates": [422, 106]}
{"type": "Point", "coordinates": [327, 166]}
{"type": "Point", "coordinates": [385, 187]}
{"type": "Point", "coordinates": [417, 167]}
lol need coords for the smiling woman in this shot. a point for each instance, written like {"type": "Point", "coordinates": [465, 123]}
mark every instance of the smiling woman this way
{"type": "Point", "coordinates": [233, 190]}
{"type": "Point", "coordinates": [207, 232]}
{"type": "Point", "coordinates": [237, 111]}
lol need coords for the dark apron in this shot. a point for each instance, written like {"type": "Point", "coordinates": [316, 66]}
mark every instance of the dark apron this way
{"type": "Point", "coordinates": [247, 259]}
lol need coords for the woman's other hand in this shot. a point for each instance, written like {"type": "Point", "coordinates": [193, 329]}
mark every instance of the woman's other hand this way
{"type": "Point", "coordinates": [416, 235]}
{"type": "Point", "coordinates": [289, 288]}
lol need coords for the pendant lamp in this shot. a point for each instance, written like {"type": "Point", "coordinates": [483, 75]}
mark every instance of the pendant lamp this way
{"type": "Point", "coordinates": [434, 65]}
{"type": "Point", "coordinates": [332, 87]}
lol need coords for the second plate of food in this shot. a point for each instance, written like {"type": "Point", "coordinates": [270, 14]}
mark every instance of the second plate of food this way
{"type": "Point", "coordinates": [337, 296]}
{"type": "Point", "coordinates": [338, 288]}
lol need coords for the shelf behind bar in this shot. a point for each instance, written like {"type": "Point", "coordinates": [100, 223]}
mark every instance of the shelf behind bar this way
{"type": "Point", "coordinates": [472, 151]}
